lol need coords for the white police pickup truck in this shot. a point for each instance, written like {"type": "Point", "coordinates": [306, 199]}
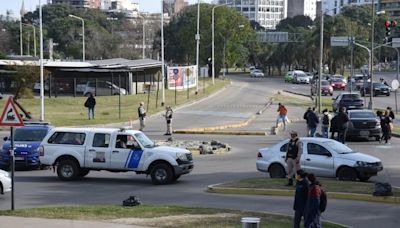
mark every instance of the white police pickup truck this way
{"type": "Point", "coordinates": [76, 151]}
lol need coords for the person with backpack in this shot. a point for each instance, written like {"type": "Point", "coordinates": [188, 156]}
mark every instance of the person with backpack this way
{"type": "Point", "coordinates": [89, 104]}
{"type": "Point", "coordinates": [312, 211]}
{"type": "Point", "coordinates": [282, 115]}
{"type": "Point", "coordinates": [300, 197]}
{"type": "Point", "coordinates": [312, 122]}
{"type": "Point", "coordinates": [325, 123]}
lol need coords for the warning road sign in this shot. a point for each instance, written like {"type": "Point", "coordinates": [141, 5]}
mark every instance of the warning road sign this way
{"type": "Point", "coordinates": [10, 116]}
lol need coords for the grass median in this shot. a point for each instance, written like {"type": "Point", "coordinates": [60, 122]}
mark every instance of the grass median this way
{"type": "Point", "coordinates": [336, 189]}
{"type": "Point", "coordinates": [159, 216]}
{"type": "Point", "coordinates": [69, 111]}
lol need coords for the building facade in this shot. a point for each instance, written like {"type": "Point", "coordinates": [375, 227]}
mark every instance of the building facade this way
{"type": "Point", "coordinates": [333, 7]}
{"type": "Point", "coordinates": [391, 7]}
{"type": "Point", "coordinates": [173, 7]}
{"type": "Point", "coordinates": [268, 13]}
{"type": "Point", "coordinates": [302, 7]}
{"type": "Point", "coordinates": [93, 4]}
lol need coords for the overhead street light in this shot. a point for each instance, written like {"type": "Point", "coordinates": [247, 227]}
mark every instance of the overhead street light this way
{"type": "Point", "coordinates": [83, 35]}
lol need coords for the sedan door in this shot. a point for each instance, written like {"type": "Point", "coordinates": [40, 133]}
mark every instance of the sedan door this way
{"type": "Point", "coordinates": [318, 160]}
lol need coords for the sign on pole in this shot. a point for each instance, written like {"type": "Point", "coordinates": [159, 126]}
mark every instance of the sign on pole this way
{"type": "Point", "coordinates": [395, 42]}
{"type": "Point", "coordinates": [341, 41]}
{"type": "Point", "coordinates": [10, 117]}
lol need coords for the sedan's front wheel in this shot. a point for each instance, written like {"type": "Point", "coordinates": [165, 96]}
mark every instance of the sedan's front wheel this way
{"type": "Point", "coordinates": [277, 171]}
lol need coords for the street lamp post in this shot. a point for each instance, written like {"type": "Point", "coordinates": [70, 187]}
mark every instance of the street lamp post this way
{"type": "Point", "coordinates": [162, 53]}
{"type": "Point", "coordinates": [41, 64]}
{"type": "Point", "coordinates": [20, 37]}
{"type": "Point", "coordinates": [34, 38]}
{"type": "Point", "coordinates": [321, 53]}
{"type": "Point", "coordinates": [198, 45]}
{"type": "Point", "coordinates": [83, 35]}
{"type": "Point", "coordinates": [372, 55]}
{"type": "Point", "coordinates": [144, 37]}
{"type": "Point", "coordinates": [213, 41]}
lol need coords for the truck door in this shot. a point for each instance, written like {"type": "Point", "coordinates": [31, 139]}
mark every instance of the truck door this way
{"type": "Point", "coordinates": [126, 153]}
{"type": "Point", "coordinates": [98, 151]}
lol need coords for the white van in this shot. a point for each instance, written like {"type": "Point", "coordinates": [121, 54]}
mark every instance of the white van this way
{"type": "Point", "coordinates": [104, 88]}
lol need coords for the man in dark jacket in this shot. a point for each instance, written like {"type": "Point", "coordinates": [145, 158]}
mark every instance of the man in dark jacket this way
{"type": "Point", "coordinates": [90, 103]}
{"type": "Point", "coordinates": [306, 119]}
{"type": "Point", "coordinates": [312, 122]}
{"type": "Point", "coordinates": [334, 126]}
{"type": "Point", "coordinates": [342, 120]}
{"type": "Point", "coordinates": [300, 197]}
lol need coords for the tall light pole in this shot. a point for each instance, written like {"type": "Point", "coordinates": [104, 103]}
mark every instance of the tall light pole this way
{"type": "Point", "coordinates": [321, 53]}
{"type": "Point", "coordinates": [372, 55]}
{"type": "Point", "coordinates": [20, 37]}
{"type": "Point", "coordinates": [83, 35]}
{"type": "Point", "coordinates": [213, 41]}
{"type": "Point", "coordinates": [34, 37]}
{"type": "Point", "coordinates": [41, 64]}
{"type": "Point", "coordinates": [162, 54]}
{"type": "Point", "coordinates": [197, 37]}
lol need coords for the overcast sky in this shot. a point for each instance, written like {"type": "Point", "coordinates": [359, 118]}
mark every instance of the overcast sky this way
{"type": "Point", "coordinates": [15, 5]}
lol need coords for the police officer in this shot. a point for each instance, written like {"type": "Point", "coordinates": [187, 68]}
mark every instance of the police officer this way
{"type": "Point", "coordinates": [293, 155]}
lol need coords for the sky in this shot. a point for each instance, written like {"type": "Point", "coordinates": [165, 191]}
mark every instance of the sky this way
{"type": "Point", "coordinates": [30, 5]}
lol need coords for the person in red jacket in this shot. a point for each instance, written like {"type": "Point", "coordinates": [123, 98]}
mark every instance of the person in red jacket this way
{"type": "Point", "coordinates": [312, 213]}
{"type": "Point", "coordinates": [282, 110]}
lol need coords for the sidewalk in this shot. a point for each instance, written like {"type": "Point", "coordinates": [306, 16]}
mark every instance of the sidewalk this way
{"type": "Point", "coordinates": [21, 222]}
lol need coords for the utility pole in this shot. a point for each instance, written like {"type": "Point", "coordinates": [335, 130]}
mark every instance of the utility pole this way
{"type": "Point", "coordinates": [198, 46]}
{"type": "Point", "coordinates": [372, 55]}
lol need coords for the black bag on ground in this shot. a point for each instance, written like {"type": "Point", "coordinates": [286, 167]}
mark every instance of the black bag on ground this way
{"type": "Point", "coordinates": [131, 202]}
{"type": "Point", "coordinates": [323, 201]}
{"type": "Point", "coordinates": [382, 189]}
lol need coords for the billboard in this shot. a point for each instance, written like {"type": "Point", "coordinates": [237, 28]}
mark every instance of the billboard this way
{"type": "Point", "coordinates": [182, 77]}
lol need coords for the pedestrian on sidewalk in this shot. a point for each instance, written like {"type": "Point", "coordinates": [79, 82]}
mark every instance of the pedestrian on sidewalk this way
{"type": "Point", "coordinates": [334, 127]}
{"type": "Point", "coordinates": [89, 104]}
{"type": "Point", "coordinates": [312, 122]}
{"type": "Point", "coordinates": [325, 119]}
{"type": "Point", "coordinates": [142, 115]}
{"type": "Point", "coordinates": [300, 197]}
{"type": "Point", "coordinates": [282, 115]}
{"type": "Point", "coordinates": [386, 122]}
{"type": "Point", "coordinates": [293, 155]}
{"type": "Point", "coordinates": [343, 120]}
{"type": "Point", "coordinates": [168, 119]}
{"type": "Point", "coordinates": [306, 119]}
{"type": "Point", "coordinates": [312, 213]}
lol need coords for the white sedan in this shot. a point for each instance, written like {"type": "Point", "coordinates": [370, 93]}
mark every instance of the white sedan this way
{"type": "Point", "coordinates": [256, 73]}
{"type": "Point", "coordinates": [5, 182]}
{"type": "Point", "coordinates": [323, 157]}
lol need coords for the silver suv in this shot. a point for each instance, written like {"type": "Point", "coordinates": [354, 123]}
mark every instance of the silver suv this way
{"type": "Point", "coordinates": [103, 88]}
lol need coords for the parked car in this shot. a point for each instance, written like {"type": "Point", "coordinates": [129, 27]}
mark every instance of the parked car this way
{"type": "Point", "coordinates": [256, 73]}
{"type": "Point", "coordinates": [301, 78]}
{"type": "Point", "coordinates": [5, 182]}
{"type": "Point", "coordinates": [289, 77]}
{"type": "Point", "coordinates": [326, 88]}
{"type": "Point", "coordinates": [337, 83]}
{"type": "Point", "coordinates": [347, 100]}
{"type": "Point", "coordinates": [377, 87]}
{"type": "Point", "coordinates": [364, 123]}
{"type": "Point", "coordinates": [323, 157]}
{"type": "Point", "coordinates": [103, 88]}
{"type": "Point", "coordinates": [27, 140]}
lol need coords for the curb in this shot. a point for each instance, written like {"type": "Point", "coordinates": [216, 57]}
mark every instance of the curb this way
{"type": "Point", "coordinates": [216, 130]}
{"type": "Point", "coordinates": [279, 192]}
{"type": "Point", "coordinates": [299, 94]}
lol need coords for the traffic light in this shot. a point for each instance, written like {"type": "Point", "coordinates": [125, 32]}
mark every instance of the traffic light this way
{"type": "Point", "coordinates": [388, 27]}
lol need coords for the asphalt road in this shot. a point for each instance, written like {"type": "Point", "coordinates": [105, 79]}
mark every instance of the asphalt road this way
{"type": "Point", "coordinates": [43, 188]}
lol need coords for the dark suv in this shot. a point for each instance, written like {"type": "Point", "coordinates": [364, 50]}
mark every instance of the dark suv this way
{"type": "Point", "coordinates": [377, 87]}
{"type": "Point", "coordinates": [347, 100]}
{"type": "Point", "coordinates": [27, 140]}
{"type": "Point", "coordinates": [364, 123]}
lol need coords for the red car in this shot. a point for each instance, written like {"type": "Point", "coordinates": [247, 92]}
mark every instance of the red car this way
{"type": "Point", "coordinates": [338, 84]}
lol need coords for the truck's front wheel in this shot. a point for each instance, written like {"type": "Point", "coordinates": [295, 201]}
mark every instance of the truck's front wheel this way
{"type": "Point", "coordinates": [67, 170]}
{"type": "Point", "coordinates": [161, 174]}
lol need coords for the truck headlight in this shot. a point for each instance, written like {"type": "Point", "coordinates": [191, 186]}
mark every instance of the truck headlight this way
{"type": "Point", "coordinates": [181, 156]}
{"type": "Point", "coordinates": [361, 163]}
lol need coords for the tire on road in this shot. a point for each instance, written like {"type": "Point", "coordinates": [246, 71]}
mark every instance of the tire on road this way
{"type": "Point", "coordinates": [83, 172]}
{"type": "Point", "coordinates": [277, 171]}
{"type": "Point", "coordinates": [347, 174]}
{"type": "Point", "coordinates": [67, 169]}
{"type": "Point", "coordinates": [161, 173]}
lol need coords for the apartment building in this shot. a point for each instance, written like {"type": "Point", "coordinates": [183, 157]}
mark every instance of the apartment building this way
{"type": "Point", "coordinates": [302, 7]}
{"type": "Point", "coordinates": [93, 4]}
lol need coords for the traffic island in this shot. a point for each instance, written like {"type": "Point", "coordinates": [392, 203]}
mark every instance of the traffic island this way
{"type": "Point", "coordinates": [198, 147]}
{"type": "Point", "coordinates": [276, 187]}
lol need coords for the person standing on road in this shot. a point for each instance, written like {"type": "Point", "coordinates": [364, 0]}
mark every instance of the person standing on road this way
{"type": "Point", "coordinates": [334, 127]}
{"type": "Point", "coordinates": [300, 197]}
{"type": "Point", "coordinates": [168, 119]}
{"type": "Point", "coordinates": [311, 213]}
{"type": "Point", "coordinates": [142, 115]}
{"type": "Point", "coordinates": [312, 122]}
{"type": "Point", "coordinates": [306, 119]}
{"type": "Point", "coordinates": [90, 103]}
{"type": "Point", "coordinates": [293, 155]}
{"type": "Point", "coordinates": [385, 124]}
{"type": "Point", "coordinates": [282, 115]}
{"type": "Point", "coordinates": [343, 120]}
{"type": "Point", "coordinates": [325, 123]}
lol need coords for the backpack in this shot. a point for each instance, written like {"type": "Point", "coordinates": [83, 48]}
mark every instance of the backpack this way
{"type": "Point", "coordinates": [86, 103]}
{"type": "Point", "coordinates": [323, 201]}
{"type": "Point", "coordinates": [325, 120]}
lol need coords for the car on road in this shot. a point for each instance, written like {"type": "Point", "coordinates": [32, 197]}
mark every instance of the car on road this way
{"type": "Point", "coordinates": [321, 156]}
{"type": "Point", "coordinates": [347, 100]}
{"type": "Point", "coordinates": [27, 140]}
{"type": "Point", "coordinates": [357, 81]}
{"type": "Point", "coordinates": [326, 88]}
{"type": "Point", "coordinates": [103, 88]}
{"type": "Point", "coordinates": [289, 77]}
{"type": "Point", "coordinates": [364, 123]}
{"type": "Point", "coordinates": [256, 74]}
{"type": "Point", "coordinates": [76, 151]}
{"type": "Point", "coordinates": [301, 78]}
{"type": "Point", "coordinates": [377, 87]}
{"type": "Point", "coordinates": [337, 83]}
{"type": "Point", "coordinates": [5, 182]}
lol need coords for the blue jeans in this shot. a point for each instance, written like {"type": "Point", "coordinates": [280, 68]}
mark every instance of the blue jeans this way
{"type": "Point", "coordinates": [91, 113]}
{"type": "Point", "coordinates": [312, 131]}
{"type": "Point", "coordinates": [324, 132]}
